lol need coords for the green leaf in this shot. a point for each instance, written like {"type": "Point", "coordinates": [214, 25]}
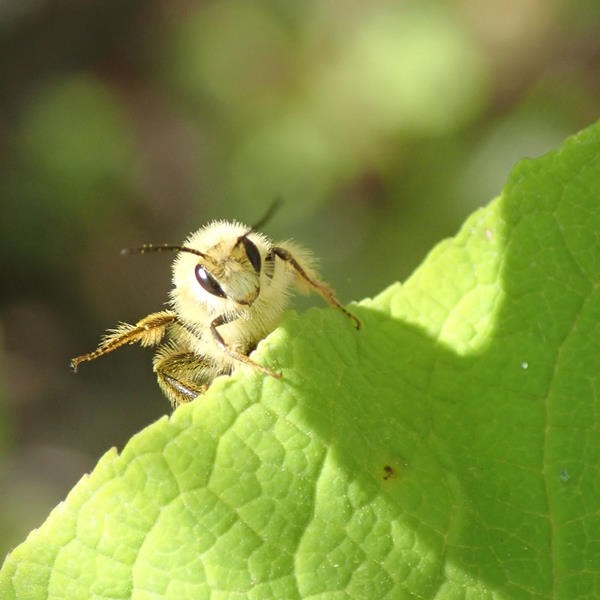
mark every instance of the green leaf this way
{"type": "Point", "coordinates": [449, 449]}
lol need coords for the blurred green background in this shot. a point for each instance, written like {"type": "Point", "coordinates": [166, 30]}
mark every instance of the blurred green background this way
{"type": "Point", "coordinates": [380, 124]}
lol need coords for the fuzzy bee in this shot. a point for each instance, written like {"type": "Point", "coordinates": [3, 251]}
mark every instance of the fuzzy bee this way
{"type": "Point", "coordinates": [231, 285]}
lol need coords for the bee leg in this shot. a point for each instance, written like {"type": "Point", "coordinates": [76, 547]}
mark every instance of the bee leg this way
{"type": "Point", "coordinates": [323, 290]}
{"type": "Point", "coordinates": [222, 320]}
{"type": "Point", "coordinates": [182, 376]}
{"type": "Point", "coordinates": [148, 331]}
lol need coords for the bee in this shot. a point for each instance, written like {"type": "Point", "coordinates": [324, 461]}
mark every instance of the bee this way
{"type": "Point", "coordinates": [231, 285]}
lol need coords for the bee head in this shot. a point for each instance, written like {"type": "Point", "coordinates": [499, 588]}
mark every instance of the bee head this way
{"type": "Point", "coordinates": [231, 270]}
{"type": "Point", "coordinates": [221, 266]}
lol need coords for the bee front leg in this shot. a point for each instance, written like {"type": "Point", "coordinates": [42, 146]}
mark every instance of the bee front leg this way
{"type": "Point", "coordinates": [222, 320]}
{"type": "Point", "coordinates": [148, 331]}
{"type": "Point", "coordinates": [182, 375]}
{"type": "Point", "coordinates": [318, 286]}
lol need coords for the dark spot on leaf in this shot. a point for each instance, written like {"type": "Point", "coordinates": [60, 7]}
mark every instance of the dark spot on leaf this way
{"type": "Point", "coordinates": [388, 472]}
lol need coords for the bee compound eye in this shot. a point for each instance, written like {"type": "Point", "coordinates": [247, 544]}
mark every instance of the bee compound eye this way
{"type": "Point", "coordinates": [252, 253]}
{"type": "Point", "coordinates": [208, 282]}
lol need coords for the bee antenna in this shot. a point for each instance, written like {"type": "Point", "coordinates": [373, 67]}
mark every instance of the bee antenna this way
{"type": "Point", "coordinates": [161, 248]}
{"type": "Point", "coordinates": [275, 205]}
